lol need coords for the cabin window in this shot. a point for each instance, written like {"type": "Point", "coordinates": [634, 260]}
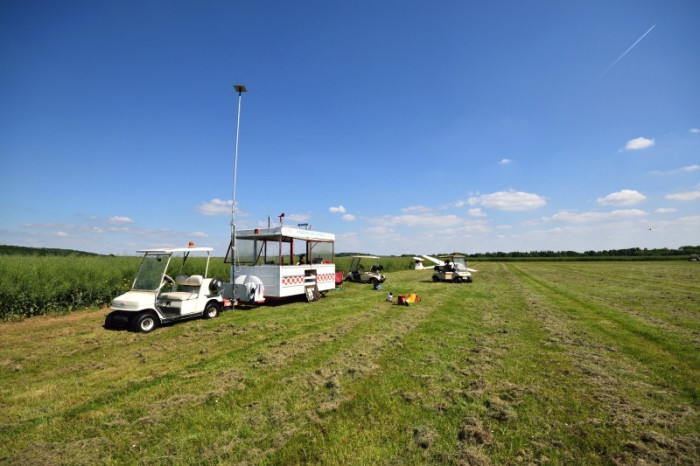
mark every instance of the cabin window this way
{"type": "Point", "coordinates": [264, 252]}
{"type": "Point", "coordinates": [247, 253]}
{"type": "Point", "coordinates": [320, 252]}
{"type": "Point", "coordinates": [284, 250]}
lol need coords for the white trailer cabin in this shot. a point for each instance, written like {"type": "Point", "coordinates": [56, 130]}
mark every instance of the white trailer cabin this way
{"type": "Point", "coordinates": [286, 260]}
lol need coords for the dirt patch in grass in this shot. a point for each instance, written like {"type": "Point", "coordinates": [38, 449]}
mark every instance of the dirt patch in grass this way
{"type": "Point", "coordinates": [424, 436]}
{"type": "Point", "coordinates": [80, 452]}
{"type": "Point", "coordinates": [473, 432]}
{"type": "Point", "coordinates": [470, 455]}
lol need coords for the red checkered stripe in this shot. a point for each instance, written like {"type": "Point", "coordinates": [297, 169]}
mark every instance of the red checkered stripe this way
{"type": "Point", "coordinates": [295, 280]}
{"type": "Point", "coordinates": [299, 279]}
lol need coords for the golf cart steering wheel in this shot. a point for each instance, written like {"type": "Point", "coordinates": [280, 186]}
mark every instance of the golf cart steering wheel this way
{"type": "Point", "coordinates": [168, 279]}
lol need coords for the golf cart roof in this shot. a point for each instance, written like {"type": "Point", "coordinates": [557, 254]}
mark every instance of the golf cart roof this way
{"type": "Point", "coordinates": [173, 250]}
{"type": "Point", "coordinates": [277, 233]}
{"type": "Point", "coordinates": [367, 257]}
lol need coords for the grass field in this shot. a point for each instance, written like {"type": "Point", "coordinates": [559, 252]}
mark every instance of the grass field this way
{"type": "Point", "coordinates": [534, 363]}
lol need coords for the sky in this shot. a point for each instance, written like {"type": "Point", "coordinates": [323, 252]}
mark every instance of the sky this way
{"type": "Point", "coordinates": [403, 127]}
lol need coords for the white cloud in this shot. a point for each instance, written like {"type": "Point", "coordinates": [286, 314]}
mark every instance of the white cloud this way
{"type": "Point", "coordinates": [119, 220]}
{"type": "Point", "coordinates": [378, 230]}
{"type": "Point", "coordinates": [121, 235]}
{"type": "Point", "coordinates": [638, 143]}
{"type": "Point", "coordinates": [588, 217]}
{"type": "Point", "coordinates": [622, 198]}
{"type": "Point", "coordinates": [504, 161]}
{"type": "Point", "coordinates": [348, 217]}
{"type": "Point", "coordinates": [509, 200]}
{"type": "Point", "coordinates": [340, 209]}
{"type": "Point", "coordinates": [695, 130]}
{"type": "Point", "coordinates": [416, 209]}
{"type": "Point", "coordinates": [215, 207]}
{"type": "Point", "coordinates": [49, 225]}
{"type": "Point", "coordinates": [686, 196]}
{"type": "Point", "coordinates": [686, 169]}
{"type": "Point", "coordinates": [477, 212]}
{"type": "Point", "coordinates": [441, 221]}
{"type": "Point", "coordinates": [663, 210]}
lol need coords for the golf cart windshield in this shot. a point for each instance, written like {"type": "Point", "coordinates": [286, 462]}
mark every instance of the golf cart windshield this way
{"type": "Point", "coordinates": [150, 275]}
{"type": "Point", "coordinates": [359, 263]}
{"type": "Point", "coordinates": [459, 263]}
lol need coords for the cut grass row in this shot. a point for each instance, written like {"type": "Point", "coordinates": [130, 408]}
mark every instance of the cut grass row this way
{"type": "Point", "coordinates": [518, 366]}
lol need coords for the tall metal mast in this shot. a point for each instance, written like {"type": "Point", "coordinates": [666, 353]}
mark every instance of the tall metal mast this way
{"type": "Point", "coordinates": [240, 89]}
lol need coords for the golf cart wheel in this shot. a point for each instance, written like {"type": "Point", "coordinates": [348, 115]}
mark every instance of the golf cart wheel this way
{"type": "Point", "coordinates": [211, 311]}
{"type": "Point", "coordinates": [145, 322]}
{"type": "Point", "coordinates": [436, 278]}
{"type": "Point", "coordinates": [110, 321]}
{"type": "Point", "coordinates": [457, 279]}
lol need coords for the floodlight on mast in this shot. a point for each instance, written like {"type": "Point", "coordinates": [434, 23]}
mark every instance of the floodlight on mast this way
{"type": "Point", "coordinates": [240, 89]}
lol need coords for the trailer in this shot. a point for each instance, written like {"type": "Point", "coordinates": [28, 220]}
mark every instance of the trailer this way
{"type": "Point", "coordinates": [280, 262]}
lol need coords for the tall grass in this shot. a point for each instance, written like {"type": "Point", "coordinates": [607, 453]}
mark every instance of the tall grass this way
{"type": "Point", "coordinates": [390, 264]}
{"type": "Point", "coordinates": [34, 285]}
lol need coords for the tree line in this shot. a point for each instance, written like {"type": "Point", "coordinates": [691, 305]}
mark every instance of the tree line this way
{"type": "Point", "coordinates": [6, 250]}
{"type": "Point", "coordinates": [627, 252]}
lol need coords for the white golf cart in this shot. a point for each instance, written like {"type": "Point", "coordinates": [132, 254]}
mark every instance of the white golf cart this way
{"type": "Point", "coordinates": [155, 298]}
{"type": "Point", "coordinates": [361, 272]}
{"type": "Point", "coordinates": [454, 270]}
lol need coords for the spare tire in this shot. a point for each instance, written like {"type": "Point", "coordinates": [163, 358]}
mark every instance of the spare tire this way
{"type": "Point", "coordinates": [216, 285]}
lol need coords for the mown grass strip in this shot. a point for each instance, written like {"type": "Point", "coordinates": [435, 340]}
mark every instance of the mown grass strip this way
{"type": "Point", "coordinates": [674, 361]}
{"type": "Point", "coordinates": [464, 389]}
{"type": "Point", "coordinates": [170, 381]}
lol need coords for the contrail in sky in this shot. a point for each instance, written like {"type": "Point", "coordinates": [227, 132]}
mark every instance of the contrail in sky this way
{"type": "Point", "coordinates": [626, 51]}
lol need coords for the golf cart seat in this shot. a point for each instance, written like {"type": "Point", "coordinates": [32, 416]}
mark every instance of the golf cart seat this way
{"type": "Point", "coordinates": [189, 287]}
